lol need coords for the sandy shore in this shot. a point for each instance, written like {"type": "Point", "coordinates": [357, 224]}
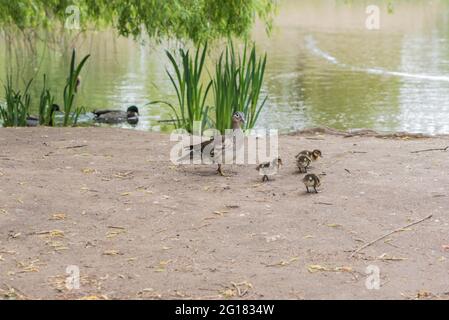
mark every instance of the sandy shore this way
{"type": "Point", "coordinates": [139, 227]}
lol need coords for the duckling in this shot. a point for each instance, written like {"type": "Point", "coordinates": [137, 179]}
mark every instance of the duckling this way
{"type": "Point", "coordinates": [311, 181]}
{"type": "Point", "coordinates": [314, 155]}
{"type": "Point", "coordinates": [269, 168]}
{"type": "Point", "coordinates": [33, 121]}
{"type": "Point", "coordinates": [303, 162]}
{"type": "Point", "coordinates": [117, 116]}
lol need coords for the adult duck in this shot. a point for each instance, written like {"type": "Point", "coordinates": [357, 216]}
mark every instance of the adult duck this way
{"type": "Point", "coordinates": [131, 115]}
{"type": "Point", "coordinates": [219, 149]}
{"type": "Point", "coordinates": [34, 121]}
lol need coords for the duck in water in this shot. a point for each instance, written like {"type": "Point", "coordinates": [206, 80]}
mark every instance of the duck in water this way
{"type": "Point", "coordinates": [131, 115]}
{"type": "Point", "coordinates": [34, 121]}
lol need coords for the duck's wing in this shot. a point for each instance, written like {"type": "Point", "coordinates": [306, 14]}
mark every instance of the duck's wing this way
{"type": "Point", "coordinates": [32, 121]}
{"type": "Point", "coordinates": [199, 148]}
{"type": "Point", "coordinates": [216, 148]}
{"type": "Point", "coordinates": [263, 165]}
{"type": "Point", "coordinates": [101, 112]}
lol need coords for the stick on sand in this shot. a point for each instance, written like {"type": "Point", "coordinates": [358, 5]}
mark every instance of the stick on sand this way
{"type": "Point", "coordinates": [434, 149]}
{"type": "Point", "coordinates": [390, 233]}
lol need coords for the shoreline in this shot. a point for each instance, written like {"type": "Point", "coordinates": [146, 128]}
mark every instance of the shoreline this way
{"type": "Point", "coordinates": [109, 201]}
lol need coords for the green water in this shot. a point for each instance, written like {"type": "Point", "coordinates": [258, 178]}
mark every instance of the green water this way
{"type": "Point", "coordinates": [325, 68]}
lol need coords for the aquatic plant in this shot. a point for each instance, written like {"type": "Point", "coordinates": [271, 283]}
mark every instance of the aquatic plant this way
{"type": "Point", "coordinates": [46, 101]}
{"type": "Point", "coordinates": [15, 111]}
{"type": "Point", "coordinates": [237, 86]}
{"type": "Point", "coordinates": [71, 112]}
{"type": "Point", "coordinates": [190, 90]}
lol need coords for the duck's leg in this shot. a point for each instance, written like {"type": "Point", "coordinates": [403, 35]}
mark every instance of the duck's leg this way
{"type": "Point", "coordinates": [307, 189]}
{"type": "Point", "coordinates": [220, 171]}
{"type": "Point", "coordinates": [265, 178]}
{"type": "Point", "coordinates": [314, 188]}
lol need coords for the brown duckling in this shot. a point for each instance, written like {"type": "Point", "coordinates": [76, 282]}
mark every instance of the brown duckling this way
{"type": "Point", "coordinates": [314, 155]}
{"type": "Point", "coordinates": [311, 181]}
{"type": "Point", "coordinates": [303, 162]}
{"type": "Point", "coordinates": [269, 168]}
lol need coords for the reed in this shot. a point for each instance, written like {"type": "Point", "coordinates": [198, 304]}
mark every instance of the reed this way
{"type": "Point", "coordinates": [46, 103]}
{"type": "Point", "coordinates": [237, 86]}
{"type": "Point", "coordinates": [190, 90]}
{"type": "Point", "coordinates": [15, 111]}
{"type": "Point", "coordinates": [71, 112]}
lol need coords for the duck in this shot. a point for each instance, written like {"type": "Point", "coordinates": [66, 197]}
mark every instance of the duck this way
{"type": "Point", "coordinates": [303, 162]}
{"type": "Point", "coordinates": [34, 121]}
{"type": "Point", "coordinates": [269, 168]}
{"type": "Point", "coordinates": [313, 155]}
{"type": "Point", "coordinates": [311, 181]}
{"type": "Point", "coordinates": [216, 148]}
{"type": "Point", "coordinates": [77, 84]}
{"type": "Point", "coordinates": [117, 116]}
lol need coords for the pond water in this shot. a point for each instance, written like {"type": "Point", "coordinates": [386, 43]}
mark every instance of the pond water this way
{"type": "Point", "coordinates": [325, 68]}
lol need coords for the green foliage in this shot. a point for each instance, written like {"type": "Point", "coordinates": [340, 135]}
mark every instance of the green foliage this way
{"type": "Point", "coordinates": [237, 86]}
{"type": "Point", "coordinates": [46, 101]}
{"type": "Point", "coordinates": [15, 111]}
{"type": "Point", "coordinates": [224, 92]}
{"type": "Point", "coordinates": [17, 106]}
{"type": "Point", "coordinates": [71, 112]}
{"type": "Point", "coordinates": [190, 91]}
{"type": "Point", "coordinates": [197, 20]}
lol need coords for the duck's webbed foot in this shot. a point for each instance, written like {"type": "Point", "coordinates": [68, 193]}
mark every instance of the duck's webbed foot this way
{"type": "Point", "coordinates": [220, 171]}
{"type": "Point", "coordinates": [316, 191]}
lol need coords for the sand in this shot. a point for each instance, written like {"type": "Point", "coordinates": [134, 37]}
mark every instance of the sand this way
{"type": "Point", "coordinates": [110, 203]}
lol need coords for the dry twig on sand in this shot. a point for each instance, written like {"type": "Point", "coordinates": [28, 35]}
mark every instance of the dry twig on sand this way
{"type": "Point", "coordinates": [389, 233]}
{"type": "Point", "coordinates": [433, 149]}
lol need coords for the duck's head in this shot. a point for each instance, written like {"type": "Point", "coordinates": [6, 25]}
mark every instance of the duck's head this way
{"type": "Point", "coordinates": [55, 108]}
{"type": "Point", "coordinates": [316, 154]}
{"type": "Point", "coordinates": [132, 111]}
{"type": "Point", "coordinates": [132, 115]}
{"type": "Point", "coordinates": [279, 162]}
{"type": "Point", "coordinates": [238, 119]}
